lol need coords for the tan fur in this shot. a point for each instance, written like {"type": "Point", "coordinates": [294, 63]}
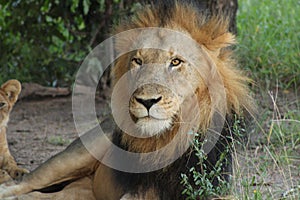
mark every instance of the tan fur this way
{"type": "Point", "coordinates": [9, 92]}
{"type": "Point", "coordinates": [212, 35]}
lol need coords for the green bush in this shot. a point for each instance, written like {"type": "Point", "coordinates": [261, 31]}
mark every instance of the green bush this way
{"type": "Point", "coordinates": [45, 41]}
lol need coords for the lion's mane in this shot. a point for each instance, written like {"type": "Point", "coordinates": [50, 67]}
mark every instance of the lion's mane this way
{"type": "Point", "coordinates": [210, 32]}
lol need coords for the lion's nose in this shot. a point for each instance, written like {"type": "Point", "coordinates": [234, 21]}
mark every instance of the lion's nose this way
{"type": "Point", "coordinates": [148, 103]}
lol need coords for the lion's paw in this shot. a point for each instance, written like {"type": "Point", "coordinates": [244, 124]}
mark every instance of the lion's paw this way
{"type": "Point", "coordinates": [4, 176]}
{"type": "Point", "coordinates": [16, 172]}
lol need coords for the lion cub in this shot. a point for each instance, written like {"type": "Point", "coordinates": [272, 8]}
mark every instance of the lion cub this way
{"type": "Point", "coordinates": [9, 92]}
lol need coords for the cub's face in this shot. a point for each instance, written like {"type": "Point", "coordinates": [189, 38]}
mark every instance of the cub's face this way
{"type": "Point", "coordinates": [9, 92]}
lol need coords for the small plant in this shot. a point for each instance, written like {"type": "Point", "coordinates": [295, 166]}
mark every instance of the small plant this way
{"type": "Point", "coordinates": [58, 141]}
{"type": "Point", "coordinates": [202, 178]}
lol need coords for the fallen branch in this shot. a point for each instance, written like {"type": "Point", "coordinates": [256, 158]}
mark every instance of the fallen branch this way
{"type": "Point", "coordinates": [34, 90]}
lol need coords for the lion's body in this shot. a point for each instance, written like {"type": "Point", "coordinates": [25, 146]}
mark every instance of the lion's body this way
{"type": "Point", "coordinates": [171, 93]}
{"type": "Point", "coordinates": [9, 92]}
{"type": "Point", "coordinates": [212, 35]}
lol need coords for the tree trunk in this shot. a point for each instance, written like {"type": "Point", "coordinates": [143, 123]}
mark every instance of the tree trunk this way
{"type": "Point", "coordinates": [227, 8]}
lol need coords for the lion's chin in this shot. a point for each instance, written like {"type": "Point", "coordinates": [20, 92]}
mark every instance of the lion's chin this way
{"type": "Point", "coordinates": [149, 126]}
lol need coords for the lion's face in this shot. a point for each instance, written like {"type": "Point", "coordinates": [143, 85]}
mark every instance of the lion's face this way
{"type": "Point", "coordinates": [165, 69]}
{"type": "Point", "coordinates": [163, 81]}
{"type": "Point", "coordinates": [9, 92]}
{"type": "Point", "coordinates": [5, 108]}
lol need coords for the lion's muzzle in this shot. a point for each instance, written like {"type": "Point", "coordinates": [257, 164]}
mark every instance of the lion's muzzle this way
{"type": "Point", "coordinates": [152, 107]}
{"type": "Point", "coordinates": [148, 103]}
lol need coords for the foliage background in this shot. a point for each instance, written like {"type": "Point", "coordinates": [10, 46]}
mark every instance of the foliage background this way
{"type": "Point", "coordinates": [269, 41]}
{"type": "Point", "coordinates": [44, 41]}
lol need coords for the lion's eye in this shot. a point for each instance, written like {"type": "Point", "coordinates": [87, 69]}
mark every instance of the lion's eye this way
{"type": "Point", "coordinates": [175, 62]}
{"type": "Point", "coordinates": [2, 104]}
{"type": "Point", "coordinates": [137, 61]}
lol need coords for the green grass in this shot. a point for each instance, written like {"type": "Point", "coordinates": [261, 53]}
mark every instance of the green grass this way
{"type": "Point", "coordinates": [269, 50]}
{"type": "Point", "coordinates": [268, 166]}
{"type": "Point", "coordinates": [269, 41]}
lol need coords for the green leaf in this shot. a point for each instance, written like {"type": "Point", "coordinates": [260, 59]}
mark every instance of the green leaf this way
{"type": "Point", "coordinates": [74, 6]}
{"type": "Point", "coordinates": [86, 6]}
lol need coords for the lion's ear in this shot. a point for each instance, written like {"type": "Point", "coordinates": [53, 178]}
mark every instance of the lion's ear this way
{"type": "Point", "coordinates": [214, 34]}
{"type": "Point", "coordinates": [125, 40]}
{"type": "Point", "coordinates": [12, 88]}
{"type": "Point", "coordinates": [222, 41]}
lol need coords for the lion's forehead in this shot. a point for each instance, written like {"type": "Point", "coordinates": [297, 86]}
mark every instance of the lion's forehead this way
{"type": "Point", "coordinates": [167, 43]}
{"type": "Point", "coordinates": [155, 55]}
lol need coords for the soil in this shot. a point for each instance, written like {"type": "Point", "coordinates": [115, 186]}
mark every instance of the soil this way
{"type": "Point", "coordinates": [40, 128]}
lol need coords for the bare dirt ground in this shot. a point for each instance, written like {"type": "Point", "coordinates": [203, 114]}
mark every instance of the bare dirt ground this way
{"type": "Point", "coordinates": [40, 128]}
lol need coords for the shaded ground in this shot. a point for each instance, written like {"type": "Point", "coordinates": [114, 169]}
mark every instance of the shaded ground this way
{"type": "Point", "coordinates": [38, 129]}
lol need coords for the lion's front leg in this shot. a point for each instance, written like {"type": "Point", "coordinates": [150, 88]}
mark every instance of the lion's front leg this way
{"type": "Point", "coordinates": [71, 164]}
{"type": "Point", "coordinates": [149, 194]}
{"type": "Point", "coordinates": [10, 189]}
{"type": "Point", "coordinates": [79, 189]}
{"type": "Point", "coordinates": [9, 164]}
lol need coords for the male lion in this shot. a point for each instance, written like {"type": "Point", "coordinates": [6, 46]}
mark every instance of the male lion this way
{"type": "Point", "coordinates": [9, 92]}
{"type": "Point", "coordinates": [175, 82]}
